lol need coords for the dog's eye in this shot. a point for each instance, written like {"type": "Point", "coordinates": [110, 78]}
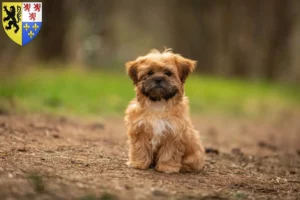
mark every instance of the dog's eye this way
{"type": "Point", "coordinates": [150, 73]}
{"type": "Point", "coordinates": [168, 73]}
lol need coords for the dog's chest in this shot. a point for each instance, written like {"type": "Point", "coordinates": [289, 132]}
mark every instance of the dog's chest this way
{"type": "Point", "coordinates": [159, 127]}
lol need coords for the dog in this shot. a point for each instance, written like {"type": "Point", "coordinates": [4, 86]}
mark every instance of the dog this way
{"type": "Point", "coordinates": [159, 129]}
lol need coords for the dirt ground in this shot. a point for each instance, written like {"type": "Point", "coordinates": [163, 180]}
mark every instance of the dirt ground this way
{"type": "Point", "coordinates": [53, 157]}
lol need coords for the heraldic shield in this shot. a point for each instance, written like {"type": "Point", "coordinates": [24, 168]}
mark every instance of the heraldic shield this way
{"type": "Point", "coordinates": [22, 21]}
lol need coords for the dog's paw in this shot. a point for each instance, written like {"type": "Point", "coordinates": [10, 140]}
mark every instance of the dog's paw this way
{"type": "Point", "coordinates": [168, 169]}
{"type": "Point", "coordinates": [193, 163]}
{"type": "Point", "coordinates": [136, 165]}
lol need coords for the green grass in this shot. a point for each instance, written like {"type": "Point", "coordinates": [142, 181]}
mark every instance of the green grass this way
{"type": "Point", "coordinates": [105, 196]}
{"type": "Point", "coordinates": [37, 182]}
{"type": "Point", "coordinates": [77, 92]}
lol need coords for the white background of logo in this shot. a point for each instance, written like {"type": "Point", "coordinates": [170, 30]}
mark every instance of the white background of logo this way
{"type": "Point", "coordinates": [25, 14]}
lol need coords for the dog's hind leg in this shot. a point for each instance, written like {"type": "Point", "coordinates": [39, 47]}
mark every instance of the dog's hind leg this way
{"type": "Point", "coordinates": [193, 160]}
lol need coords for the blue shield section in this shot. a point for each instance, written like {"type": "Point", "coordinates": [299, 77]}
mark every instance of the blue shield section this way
{"type": "Point", "coordinates": [30, 31]}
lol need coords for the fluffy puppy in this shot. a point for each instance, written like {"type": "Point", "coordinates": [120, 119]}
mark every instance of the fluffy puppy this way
{"type": "Point", "coordinates": [160, 131]}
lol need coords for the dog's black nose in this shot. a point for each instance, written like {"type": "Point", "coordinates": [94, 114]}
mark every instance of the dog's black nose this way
{"type": "Point", "coordinates": [158, 80]}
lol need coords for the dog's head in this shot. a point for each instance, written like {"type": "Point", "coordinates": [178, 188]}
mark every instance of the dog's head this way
{"type": "Point", "coordinates": [160, 76]}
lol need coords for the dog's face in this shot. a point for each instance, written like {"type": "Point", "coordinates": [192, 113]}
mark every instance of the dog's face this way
{"type": "Point", "coordinates": [160, 76]}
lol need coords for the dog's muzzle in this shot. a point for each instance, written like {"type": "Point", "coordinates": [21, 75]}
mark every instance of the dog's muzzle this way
{"type": "Point", "coordinates": [158, 88]}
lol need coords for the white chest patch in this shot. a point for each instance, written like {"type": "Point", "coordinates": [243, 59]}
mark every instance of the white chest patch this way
{"type": "Point", "coordinates": [159, 127]}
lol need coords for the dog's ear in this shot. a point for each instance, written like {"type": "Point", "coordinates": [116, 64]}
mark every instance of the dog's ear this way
{"type": "Point", "coordinates": [185, 67]}
{"type": "Point", "coordinates": [132, 70]}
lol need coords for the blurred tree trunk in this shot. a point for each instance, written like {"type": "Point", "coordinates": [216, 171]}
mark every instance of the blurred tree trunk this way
{"type": "Point", "coordinates": [294, 41]}
{"type": "Point", "coordinates": [90, 39]}
{"type": "Point", "coordinates": [56, 21]}
{"type": "Point", "coordinates": [277, 54]}
{"type": "Point", "coordinates": [246, 38]}
{"type": "Point", "coordinates": [190, 31]}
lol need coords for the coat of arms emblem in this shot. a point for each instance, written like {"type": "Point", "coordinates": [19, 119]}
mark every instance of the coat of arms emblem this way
{"type": "Point", "coordinates": [22, 21]}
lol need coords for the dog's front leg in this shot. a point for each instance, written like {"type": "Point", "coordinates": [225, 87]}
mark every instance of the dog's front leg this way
{"type": "Point", "coordinates": [169, 156]}
{"type": "Point", "coordinates": [140, 154]}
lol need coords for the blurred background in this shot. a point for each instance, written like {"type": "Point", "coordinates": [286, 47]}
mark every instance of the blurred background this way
{"type": "Point", "coordinates": [247, 53]}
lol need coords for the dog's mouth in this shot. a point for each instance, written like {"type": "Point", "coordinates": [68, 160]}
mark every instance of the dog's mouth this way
{"type": "Point", "coordinates": [159, 92]}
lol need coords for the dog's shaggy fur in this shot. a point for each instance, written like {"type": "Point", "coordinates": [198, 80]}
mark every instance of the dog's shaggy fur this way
{"type": "Point", "coordinates": [160, 131]}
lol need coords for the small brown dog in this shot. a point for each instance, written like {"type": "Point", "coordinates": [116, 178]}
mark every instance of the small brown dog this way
{"type": "Point", "coordinates": [160, 131]}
